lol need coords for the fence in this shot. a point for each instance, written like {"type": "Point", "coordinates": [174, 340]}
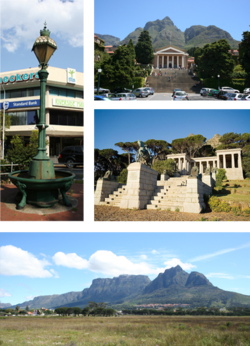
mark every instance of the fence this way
{"type": "Point", "coordinates": [11, 168]}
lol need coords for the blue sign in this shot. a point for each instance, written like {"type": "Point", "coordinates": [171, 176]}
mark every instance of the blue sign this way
{"type": "Point", "coordinates": [20, 104]}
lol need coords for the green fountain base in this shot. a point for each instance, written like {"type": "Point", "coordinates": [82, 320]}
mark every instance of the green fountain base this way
{"type": "Point", "coordinates": [43, 193]}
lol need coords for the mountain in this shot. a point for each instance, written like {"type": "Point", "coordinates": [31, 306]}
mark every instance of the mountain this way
{"type": "Point", "coordinates": [214, 142]}
{"type": "Point", "coordinates": [174, 286]}
{"type": "Point", "coordinates": [109, 40]}
{"type": "Point", "coordinates": [164, 32]}
{"type": "Point", "coordinates": [4, 305]}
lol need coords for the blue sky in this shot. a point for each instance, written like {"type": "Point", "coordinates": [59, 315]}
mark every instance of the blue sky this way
{"type": "Point", "coordinates": [121, 18]}
{"type": "Point", "coordinates": [33, 264]}
{"type": "Point", "coordinates": [21, 22]}
{"type": "Point", "coordinates": [113, 126]}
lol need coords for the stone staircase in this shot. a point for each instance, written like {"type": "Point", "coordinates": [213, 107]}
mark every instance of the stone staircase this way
{"type": "Point", "coordinates": [183, 80]}
{"type": "Point", "coordinates": [114, 199]}
{"type": "Point", "coordinates": [170, 194]}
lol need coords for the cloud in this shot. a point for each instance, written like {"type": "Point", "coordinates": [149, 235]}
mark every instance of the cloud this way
{"type": "Point", "coordinates": [30, 297]}
{"type": "Point", "coordinates": [56, 276]}
{"type": "Point", "coordinates": [21, 21]}
{"type": "Point", "coordinates": [218, 253]}
{"type": "Point", "coordinates": [70, 260]}
{"type": "Point", "coordinates": [154, 252]}
{"type": "Point", "coordinates": [4, 293]}
{"type": "Point", "coordinates": [220, 276]}
{"type": "Point", "coordinates": [175, 261]}
{"type": "Point", "coordinates": [15, 261]}
{"type": "Point", "coordinates": [144, 257]}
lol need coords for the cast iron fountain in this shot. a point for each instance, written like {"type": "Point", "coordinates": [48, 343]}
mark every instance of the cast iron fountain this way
{"type": "Point", "coordinates": [40, 184]}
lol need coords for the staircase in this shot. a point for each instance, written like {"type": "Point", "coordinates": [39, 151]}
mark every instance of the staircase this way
{"type": "Point", "coordinates": [170, 195]}
{"type": "Point", "coordinates": [183, 80]}
{"type": "Point", "coordinates": [114, 199]}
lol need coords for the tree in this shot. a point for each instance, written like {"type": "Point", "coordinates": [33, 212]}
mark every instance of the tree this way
{"type": "Point", "coordinates": [123, 72]}
{"type": "Point", "coordinates": [144, 49]}
{"type": "Point", "coordinates": [131, 49]}
{"type": "Point", "coordinates": [27, 308]}
{"type": "Point", "coordinates": [86, 311]}
{"type": "Point", "coordinates": [244, 55]}
{"type": "Point", "coordinates": [158, 148]}
{"type": "Point", "coordinates": [191, 51]}
{"type": "Point", "coordinates": [168, 165]}
{"type": "Point", "coordinates": [189, 145]}
{"type": "Point", "coordinates": [216, 60]}
{"type": "Point", "coordinates": [128, 147]}
{"type": "Point", "coordinates": [246, 160]}
{"type": "Point", "coordinates": [77, 311]}
{"type": "Point", "coordinates": [7, 123]}
{"type": "Point", "coordinates": [107, 74]}
{"type": "Point", "coordinates": [17, 308]}
{"type": "Point", "coordinates": [123, 176]}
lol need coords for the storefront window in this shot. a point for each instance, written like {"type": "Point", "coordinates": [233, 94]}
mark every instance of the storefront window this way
{"type": "Point", "coordinates": [69, 118]}
{"type": "Point", "coordinates": [31, 118]}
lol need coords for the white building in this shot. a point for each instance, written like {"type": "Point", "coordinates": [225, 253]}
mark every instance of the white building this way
{"type": "Point", "coordinates": [64, 106]}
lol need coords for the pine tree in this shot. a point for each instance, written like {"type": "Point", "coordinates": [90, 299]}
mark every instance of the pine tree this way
{"type": "Point", "coordinates": [143, 49]}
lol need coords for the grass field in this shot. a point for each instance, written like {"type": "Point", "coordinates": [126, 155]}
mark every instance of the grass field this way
{"type": "Point", "coordinates": [126, 331]}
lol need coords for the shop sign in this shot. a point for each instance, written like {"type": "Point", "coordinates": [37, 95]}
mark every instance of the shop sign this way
{"type": "Point", "coordinates": [20, 104]}
{"type": "Point", "coordinates": [71, 75]}
{"type": "Point", "coordinates": [67, 103]}
{"type": "Point", "coordinates": [19, 77]}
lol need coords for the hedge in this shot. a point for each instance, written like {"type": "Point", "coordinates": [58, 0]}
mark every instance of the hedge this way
{"type": "Point", "coordinates": [234, 83]}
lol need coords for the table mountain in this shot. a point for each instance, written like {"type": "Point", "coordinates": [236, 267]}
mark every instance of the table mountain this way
{"type": "Point", "coordinates": [164, 31]}
{"type": "Point", "coordinates": [109, 40]}
{"type": "Point", "coordinates": [214, 141]}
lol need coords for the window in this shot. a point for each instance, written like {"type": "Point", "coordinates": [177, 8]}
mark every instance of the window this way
{"type": "Point", "coordinates": [58, 117]}
{"type": "Point", "coordinates": [65, 92]}
{"type": "Point", "coordinates": [17, 93]}
{"type": "Point", "coordinates": [23, 118]}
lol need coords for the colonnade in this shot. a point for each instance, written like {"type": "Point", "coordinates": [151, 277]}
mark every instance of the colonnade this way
{"type": "Point", "coordinates": [161, 60]}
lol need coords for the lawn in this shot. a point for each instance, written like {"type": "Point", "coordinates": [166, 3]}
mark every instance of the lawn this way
{"type": "Point", "coordinates": [126, 331]}
{"type": "Point", "coordinates": [236, 191]}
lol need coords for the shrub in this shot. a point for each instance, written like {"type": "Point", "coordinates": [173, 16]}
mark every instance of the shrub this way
{"type": "Point", "coordinates": [168, 165]}
{"type": "Point", "coordinates": [217, 205]}
{"type": "Point", "coordinates": [177, 210]}
{"type": "Point", "coordinates": [122, 178]}
{"type": "Point", "coordinates": [247, 211]}
{"type": "Point", "coordinates": [220, 176]}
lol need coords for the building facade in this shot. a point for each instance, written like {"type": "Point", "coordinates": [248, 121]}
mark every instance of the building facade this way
{"type": "Point", "coordinates": [64, 106]}
{"type": "Point", "coordinates": [229, 159]}
{"type": "Point", "coordinates": [170, 57]}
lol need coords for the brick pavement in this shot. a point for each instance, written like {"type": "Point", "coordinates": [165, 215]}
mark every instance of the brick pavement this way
{"type": "Point", "coordinates": [107, 214]}
{"type": "Point", "coordinates": [6, 214]}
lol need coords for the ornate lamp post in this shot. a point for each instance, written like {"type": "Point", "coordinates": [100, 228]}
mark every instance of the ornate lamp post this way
{"type": "Point", "coordinates": [99, 79]}
{"type": "Point", "coordinates": [41, 167]}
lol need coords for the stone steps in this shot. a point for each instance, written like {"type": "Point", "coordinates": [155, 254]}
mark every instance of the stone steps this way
{"type": "Point", "coordinates": [115, 198]}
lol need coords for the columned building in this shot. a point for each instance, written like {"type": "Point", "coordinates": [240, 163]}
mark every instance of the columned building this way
{"type": "Point", "coordinates": [229, 159]}
{"type": "Point", "coordinates": [170, 57]}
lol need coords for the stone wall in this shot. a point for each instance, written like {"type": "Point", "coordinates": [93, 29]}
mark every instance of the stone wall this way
{"type": "Point", "coordinates": [140, 186]}
{"type": "Point", "coordinates": [103, 189]}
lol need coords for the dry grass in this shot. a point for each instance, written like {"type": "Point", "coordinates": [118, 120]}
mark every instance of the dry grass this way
{"type": "Point", "coordinates": [126, 331]}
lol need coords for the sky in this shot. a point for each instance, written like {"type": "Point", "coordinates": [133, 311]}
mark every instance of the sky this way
{"type": "Point", "coordinates": [113, 126]}
{"type": "Point", "coordinates": [121, 18]}
{"type": "Point", "coordinates": [34, 264]}
{"type": "Point", "coordinates": [21, 22]}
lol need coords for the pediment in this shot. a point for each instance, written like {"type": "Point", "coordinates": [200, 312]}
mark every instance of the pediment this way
{"type": "Point", "coordinates": [170, 49]}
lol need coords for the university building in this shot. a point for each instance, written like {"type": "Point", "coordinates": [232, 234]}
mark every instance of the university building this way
{"type": "Point", "coordinates": [64, 106]}
{"type": "Point", "coordinates": [170, 57]}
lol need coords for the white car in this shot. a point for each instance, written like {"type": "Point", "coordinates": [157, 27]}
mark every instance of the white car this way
{"type": "Point", "coordinates": [246, 91]}
{"type": "Point", "coordinates": [204, 91]}
{"type": "Point", "coordinates": [245, 98]}
{"type": "Point", "coordinates": [180, 95]}
{"type": "Point", "coordinates": [234, 96]}
{"type": "Point", "coordinates": [230, 90]}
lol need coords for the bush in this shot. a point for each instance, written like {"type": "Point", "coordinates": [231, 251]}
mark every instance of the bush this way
{"type": "Point", "coordinates": [122, 178]}
{"type": "Point", "coordinates": [138, 82]}
{"type": "Point", "coordinates": [162, 165]}
{"type": "Point", "coordinates": [233, 83]}
{"type": "Point", "coordinates": [220, 176]}
{"type": "Point", "coordinates": [218, 206]}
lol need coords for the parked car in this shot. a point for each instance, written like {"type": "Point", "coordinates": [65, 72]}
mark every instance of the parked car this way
{"type": "Point", "coordinates": [221, 94]}
{"type": "Point", "coordinates": [233, 96]}
{"type": "Point", "coordinates": [180, 95]}
{"type": "Point", "coordinates": [71, 156]}
{"type": "Point", "coordinates": [121, 90]}
{"type": "Point", "coordinates": [101, 98]}
{"type": "Point", "coordinates": [246, 91]}
{"type": "Point", "coordinates": [124, 97]}
{"type": "Point", "coordinates": [213, 92]}
{"type": "Point", "coordinates": [150, 90]}
{"type": "Point", "coordinates": [245, 98]}
{"type": "Point", "coordinates": [101, 91]}
{"type": "Point", "coordinates": [229, 89]}
{"type": "Point", "coordinates": [204, 91]}
{"type": "Point", "coordinates": [140, 92]}
{"type": "Point", "coordinates": [175, 90]}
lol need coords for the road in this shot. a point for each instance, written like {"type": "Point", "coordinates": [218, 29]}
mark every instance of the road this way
{"type": "Point", "coordinates": [78, 171]}
{"type": "Point", "coordinates": [168, 97]}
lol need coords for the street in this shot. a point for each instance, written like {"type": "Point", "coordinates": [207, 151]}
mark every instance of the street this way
{"type": "Point", "coordinates": [78, 171]}
{"type": "Point", "coordinates": [168, 97]}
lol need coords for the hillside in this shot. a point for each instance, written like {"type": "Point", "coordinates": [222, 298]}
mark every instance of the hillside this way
{"type": "Point", "coordinates": [164, 31]}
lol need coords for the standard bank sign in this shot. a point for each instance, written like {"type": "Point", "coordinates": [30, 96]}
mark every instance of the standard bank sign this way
{"type": "Point", "coordinates": [19, 104]}
{"type": "Point", "coordinates": [19, 77]}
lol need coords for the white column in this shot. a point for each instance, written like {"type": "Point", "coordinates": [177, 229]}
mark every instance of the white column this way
{"type": "Point", "coordinates": [201, 167]}
{"type": "Point", "coordinates": [239, 161]}
{"type": "Point", "coordinates": [157, 61]}
{"type": "Point", "coordinates": [213, 163]}
{"type": "Point", "coordinates": [208, 164]}
{"type": "Point", "coordinates": [182, 63]}
{"type": "Point", "coordinates": [178, 61]}
{"type": "Point", "coordinates": [162, 61]}
{"type": "Point", "coordinates": [172, 61]}
{"type": "Point", "coordinates": [224, 161]}
{"type": "Point", "coordinates": [168, 61]}
{"type": "Point", "coordinates": [232, 158]}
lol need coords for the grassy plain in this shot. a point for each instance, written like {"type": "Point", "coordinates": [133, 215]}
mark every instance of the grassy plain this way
{"type": "Point", "coordinates": [126, 331]}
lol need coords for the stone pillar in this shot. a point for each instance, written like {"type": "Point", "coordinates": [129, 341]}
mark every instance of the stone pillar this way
{"type": "Point", "coordinates": [239, 161]}
{"type": "Point", "coordinates": [172, 61]}
{"type": "Point", "coordinates": [103, 189]}
{"type": "Point", "coordinates": [178, 61]}
{"type": "Point", "coordinates": [141, 183]}
{"type": "Point", "coordinates": [213, 163]}
{"type": "Point", "coordinates": [162, 62]}
{"type": "Point", "coordinates": [194, 202]}
{"type": "Point", "coordinates": [158, 61]}
{"type": "Point", "coordinates": [224, 161]}
{"type": "Point", "coordinates": [168, 61]}
{"type": "Point", "coordinates": [232, 159]}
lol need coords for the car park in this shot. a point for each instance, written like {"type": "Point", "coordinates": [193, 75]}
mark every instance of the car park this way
{"type": "Point", "coordinates": [140, 92]}
{"type": "Point", "coordinates": [71, 156]}
{"type": "Point", "coordinates": [101, 98]}
{"type": "Point", "coordinates": [180, 95]}
{"type": "Point", "coordinates": [204, 91]}
{"type": "Point", "coordinates": [101, 91]}
{"type": "Point", "coordinates": [121, 90]}
{"type": "Point", "coordinates": [233, 96]}
{"type": "Point", "coordinates": [246, 91]}
{"type": "Point", "coordinates": [221, 94]}
{"type": "Point", "coordinates": [124, 97]}
{"type": "Point", "coordinates": [175, 90]}
{"type": "Point", "coordinates": [245, 98]}
{"type": "Point", "coordinates": [229, 89]}
{"type": "Point", "coordinates": [213, 92]}
{"type": "Point", "coordinates": [150, 90]}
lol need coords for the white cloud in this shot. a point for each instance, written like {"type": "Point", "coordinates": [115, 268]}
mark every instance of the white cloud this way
{"type": "Point", "coordinates": [70, 260]}
{"type": "Point", "coordinates": [15, 261]}
{"type": "Point", "coordinates": [217, 253]}
{"type": "Point", "coordinates": [30, 297]}
{"type": "Point", "coordinates": [154, 252]}
{"type": "Point", "coordinates": [21, 21]}
{"type": "Point", "coordinates": [144, 257]}
{"type": "Point", "coordinates": [56, 276]}
{"type": "Point", "coordinates": [4, 293]}
{"type": "Point", "coordinates": [175, 261]}
{"type": "Point", "coordinates": [220, 276]}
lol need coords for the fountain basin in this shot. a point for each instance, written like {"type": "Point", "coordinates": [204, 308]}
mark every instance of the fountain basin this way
{"type": "Point", "coordinates": [43, 193]}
